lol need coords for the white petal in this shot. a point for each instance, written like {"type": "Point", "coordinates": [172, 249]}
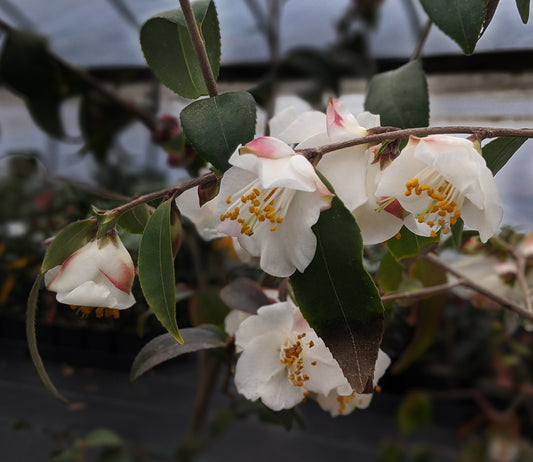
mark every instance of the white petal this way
{"type": "Point", "coordinates": [203, 217]}
{"type": "Point", "coordinates": [301, 127]}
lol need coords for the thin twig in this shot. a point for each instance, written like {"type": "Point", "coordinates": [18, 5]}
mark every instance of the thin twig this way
{"type": "Point", "coordinates": [198, 44]}
{"type": "Point", "coordinates": [380, 134]}
{"type": "Point", "coordinates": [421, 293]}
{"type": "Point", "coordinates": [424, 33]}
{"type": "Point", "coordinates": [144, 116]}
{"type": "Point", "coordinates": [467, 282]}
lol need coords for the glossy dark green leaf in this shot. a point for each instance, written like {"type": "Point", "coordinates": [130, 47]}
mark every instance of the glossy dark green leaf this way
{"type": "Point", "coordinates": [67, 241]}
{"type": "Point", "coordinates": [492, 5]}
{"type": "Point", "coordinates": [156, 268]}
{"type": "Point", "coordinates": [29, 69]}
{"type": "Point", "coordinates": [429, 312]}
{"type": "Point", "coordinates": [165, 347]}
{"type": "Point", "coordinates": [409, 245]}
{"type": "Point", "coordinates": [339, 298]}
{"type": "Point", "coordinates": [100, 121]}
{"type": "Point", "coordinates": [216, 126]}
{"type": "Point", "coordinates": [32, 339]}
{"type": "Point", "coordinates": [459, 19]}
{"type": "Point", "coordinates": [134, 220]}
{"type": "Point", "coordinates": [523, 9]}
{"type": "Point", "coordinates": [499, 151]}
{"type": "Point", "coordinates": [168, 49]}
{"type": "Point", "coordinates": [400, 96]}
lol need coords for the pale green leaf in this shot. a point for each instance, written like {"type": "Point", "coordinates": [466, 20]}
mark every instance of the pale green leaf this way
{"type": "Point", "coordinates": [134, 220]}
{"type": "Point", "coordinates": [165, 347]}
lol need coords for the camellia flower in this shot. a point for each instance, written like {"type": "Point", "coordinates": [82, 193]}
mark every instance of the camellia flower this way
{"type": "Point", "coordinates": [98, 275]}
{"type": "Point", "coordinates": [283, 360]}
{"type": "Point", "coordinates": [337, 404]}
{"type": "Point", "coordinates": [440, 178]}
{"type": "Point", "coordinates": [269, 199]}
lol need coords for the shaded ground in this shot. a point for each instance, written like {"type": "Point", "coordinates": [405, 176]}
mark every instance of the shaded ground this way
{"type": "Point", "coordinates": [153, 414]}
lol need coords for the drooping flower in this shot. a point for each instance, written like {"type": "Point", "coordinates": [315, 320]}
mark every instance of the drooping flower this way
{"type": "Point", "coordinates": [337, 404]}
{"type": "Point", "coordinates": [269, 199]}
{"type": "Point", "coordinates": [98, 275]}
{"type": "Point", "coordinates": [440, 178]}
{"type": "Point", "coordinates": [282, 359]}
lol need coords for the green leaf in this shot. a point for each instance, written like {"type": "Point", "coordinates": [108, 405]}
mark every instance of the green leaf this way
{"type": "Point", "coordinates": [400, 96]}
{"type": "Point", "coordinates": [165, 347]}
{"type": "Point", "coordinates": [339, 299]}
{"type": "Point", "coordinates": [216, 126]}
{"type": "Point", "coordinates": [29, 69]}
{"type": "Point", "coordinates": [415, 411]}
{"type": "Point", "coordinates": [32, 339]}
{"type": "Point", "coordinates": [67, 241]}
{"type": "Point", "coordinates": [134, 220]}
{"type": "Point", "coordinates": [206, 307]}
{"type": "Point", "coordinates": [460, 20]}
{"type": "Point", "coordinates": [100, 121]}
{"type": "Point", "coordinates": [428, 314]}
{"type": "Point", "coordinates": [409, 245]}
{"type": "Point", "coordinates": [457, 233]}
{"type": "Point", "coordinates": [499, 151]}
{"type": "Point", "coordinates": [168, 49]}
{"type": "Point", "coordinates": [156, 268]}
{"type": "Point", "coordinates": [245, 295]}
{"type": "Point", "coordinates": [103, 437]}
{"type": "Point", "coordinates": [523, 9]}
{"type": "Point", "coordinates": [390, 273]}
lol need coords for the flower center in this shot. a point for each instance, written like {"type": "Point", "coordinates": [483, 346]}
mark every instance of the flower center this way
{"type": "Point", "coordinates": [291, 356]}
{"type": "Point", "coordinates": [443, 209]}
{"type": "Point", "coordinates": [256, 206]}
{"type": "Point", "coordinates": [99, 311]}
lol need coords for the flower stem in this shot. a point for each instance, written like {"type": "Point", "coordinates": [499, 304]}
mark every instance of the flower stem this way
{"type": "Point", "coordinates": [467, 282]}
{"type": "Point", "coordinates": [198, 44]}
{"type": "Point", "coordinates": [422, 293]}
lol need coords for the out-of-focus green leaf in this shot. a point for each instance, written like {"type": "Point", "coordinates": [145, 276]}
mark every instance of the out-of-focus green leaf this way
{"type": "Point", "coordinates": [400, 96]}
{"type": "Point", "coordinates": [339, 299]}
{"type": "Point", "coordinates": [523, 9]}
{"type": "Point", "coordinates": [462, 21]}
{"type": "Point", "coordinates": [390, 273]}
{"type": "Point", "coordinates": [165, 347]}
{"type": "Point", "coordinates": [415, 411]}
{"type": "Point", "coordinates": [134, 220]}
{"type": "Point", "coordinates": [428, 314]}
{"type": "Point", "coordinates": [28, 68]}
{"type": "Point", "coordinates": [216, 126]}
{"type": "Point", "coordinates": [32, 339]}
{"type": "Point", "coordinates": [100, 121]}
{"type": "Point", "coordinates": [409, 245]}
{"type": "Point", "coordinates": [67, 241]}
{"type": "Point", "coordinates": [206, 307]}
{"type": "Point", "coordinates": [103, 437]}
{"type": "Point", "coordinates": [156, 268]}
{"type": "Point", "coordinates": [169, 52]}
{"type": "Point", "coordinates": [499, 151]}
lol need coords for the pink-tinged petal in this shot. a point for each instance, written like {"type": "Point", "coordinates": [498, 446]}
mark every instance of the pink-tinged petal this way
{"type": "Point", "coordinates": [341, 124]}
{"type": "Point", "coordinates": [267, 147]}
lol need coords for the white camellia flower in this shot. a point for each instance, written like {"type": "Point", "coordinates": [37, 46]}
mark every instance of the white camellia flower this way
{"type": "Point", "coordinates": [337, 404]}
{"type": "Point", "coordinates": [440, 178]}
{"type": "Point", "coordinates": [283, 360]}
{"type": "Point", "coordinates": [100, 274]}
{"type": "Point", "coordinates": [269, 199]}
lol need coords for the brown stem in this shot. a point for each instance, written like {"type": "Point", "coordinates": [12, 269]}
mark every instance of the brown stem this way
{"type": "Point", "coordinates": [380, 134]}
{"type": "Point", "coordinates": [421, 40]}
{"type": "Point", "coordinates": [467, 282]}
{"type": "Point", "coordinates": [144, 116]}
{"type": "Point", "coordinates": [421, 293]}
{"type": "Point", "coordinates": [198, 44]}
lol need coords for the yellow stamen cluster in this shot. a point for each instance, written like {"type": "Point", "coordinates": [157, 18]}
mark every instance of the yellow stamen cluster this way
{"type": "Point", "coordinates": [343, 401]}
{"type": "Point", "coordinates": [99, 311]}
{"type": "Point", "coordinates": [260, 209]}
{"type": "Point", "coordinates": [292, 358]}
{"type": "Point", "coordinates": [442, 209]}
